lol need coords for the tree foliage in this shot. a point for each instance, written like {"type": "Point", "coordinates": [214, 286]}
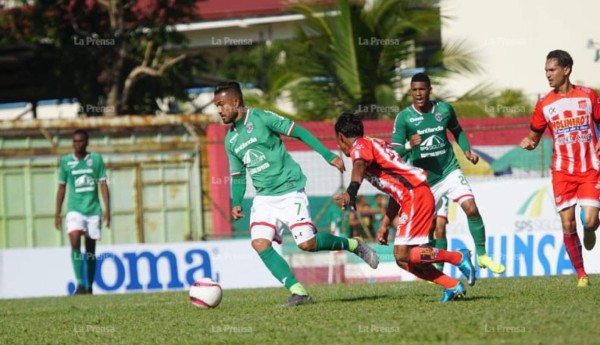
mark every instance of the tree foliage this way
{"type": "Point", "coordinates": [105, 47]}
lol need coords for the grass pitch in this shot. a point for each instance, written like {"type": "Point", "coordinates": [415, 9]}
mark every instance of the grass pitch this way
{"type": "Point", "coordinates": [536, 310]}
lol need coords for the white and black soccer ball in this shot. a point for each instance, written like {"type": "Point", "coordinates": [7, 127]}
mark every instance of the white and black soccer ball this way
{"type": "Point", "coordinates": [206, 293]}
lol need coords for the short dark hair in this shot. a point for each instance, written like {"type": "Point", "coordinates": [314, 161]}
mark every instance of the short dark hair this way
{"type": "Point", "coordinates": [227, 86]}
{"type": "Point", "coordinates": [350, 125]}
{"type": "Point", "coordinates": [421, 77]}
{"type": "Point", "coordinates": [562, 57]}
{"type": "Point", "coordinates": [82, 132]}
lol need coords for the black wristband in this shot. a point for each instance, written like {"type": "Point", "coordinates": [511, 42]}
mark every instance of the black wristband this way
{"type": "Point", "coordinates": [353, 189]}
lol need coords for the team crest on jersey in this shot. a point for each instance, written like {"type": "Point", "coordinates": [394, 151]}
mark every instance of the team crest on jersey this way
{"type": "Point", "coordinates": [438, 117]}
{"type": "Point", "coordinates": [582, 104]}
{"type": "Point", "coordinates": [249, 127]}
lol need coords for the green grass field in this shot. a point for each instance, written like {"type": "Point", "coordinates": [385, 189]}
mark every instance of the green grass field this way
{"type": "Point", "coordinates": [540, 310]}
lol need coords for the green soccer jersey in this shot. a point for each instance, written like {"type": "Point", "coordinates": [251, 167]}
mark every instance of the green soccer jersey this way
{"type": "Point", "coordinates": [435, 154]}
{"type": "Point", "coordinates": [253, 144]}
{"type": "Point", "coordinates": [82, 177]}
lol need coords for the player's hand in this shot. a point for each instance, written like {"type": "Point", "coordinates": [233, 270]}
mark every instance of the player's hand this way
{"type": "Point", "coordinates": [338, 163]}
{"type": "Point", "coordinates": [472, 157]}
{"type": "Point", "coordinates": [106, 219]}
{"type": "Point", "coordinates": [342, 200]}
{"type": "Point", "coordinates": [382, 235]}
{"type": "Point", "coordinates": [415, 140]}
{"type": "Point", "coordinates": [58, 222]}
{"type": "Point", "coordinates": [529, 144]}
{"type": "Point", "coordinates": [236, 213]}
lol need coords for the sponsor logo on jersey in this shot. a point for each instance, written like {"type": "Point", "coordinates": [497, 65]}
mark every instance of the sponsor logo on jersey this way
{"type": "Point", "coordinates": [438, 117]}
{"type": "Point", "coordinates": [430, 130]}
{"type": "Point", "coordinates": [71, 164]}
{"type": "Point", "coordinates": [245, 144]}
{"type": "Point", "coordinates": [82, 171]}
{"type": "Point", "coordinates": [233, 138]}
{"type": "Point", "coordinates": [249, 127]}
{"type": "Point", "coordinates": [253, 157]}
{"type": "Point", "coordinates": [418, 120]}
{"type": "Point", "coordinates": [259, 168]}
{"type": "Point", "coordinates": [578, 123]}
{"type": "Point", "coordinates": [432, 146]}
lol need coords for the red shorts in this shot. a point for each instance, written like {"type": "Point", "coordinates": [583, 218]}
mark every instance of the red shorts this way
{"type": "Point", "coordinates": [576, 188]}
{"type": "Point", "coordinates": [416, 214]}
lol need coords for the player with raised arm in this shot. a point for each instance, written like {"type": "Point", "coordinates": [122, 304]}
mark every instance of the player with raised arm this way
{"type": "Point", "coordinates": [421, 129]}
{"type": "Point", "coordinates": [570, 112]}
{"type": "Point", "coordinates": [410, 199]}
{"type": "Point", "coordinates": [254, 146]}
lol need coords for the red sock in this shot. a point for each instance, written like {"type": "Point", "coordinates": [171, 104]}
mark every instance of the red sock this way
{"type": "Point", "coordinates": [427, 254]}
{"type": "Point", "coordinates": [573, 246]}
{"type": "Point", "coordinates": [430, 273]}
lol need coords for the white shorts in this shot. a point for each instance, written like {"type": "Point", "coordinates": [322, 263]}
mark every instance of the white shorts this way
{"type": "Point", "coordinates": [271, 214]}
{"type": "Point", "coordinates": [455, 187]}
{"type": "Point", "coordinates": [89, 225]}
{"type": "Point", "coordinates": [442, 212]}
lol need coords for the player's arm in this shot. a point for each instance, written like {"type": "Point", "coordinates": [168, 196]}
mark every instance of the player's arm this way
{"type": "Point", "coordinates": [461, 137]}
{"type": "Point", "coordinates": [104, 192]}
{"type": "Point", "coordinates": [60, 195]}
{"type": "Point", "coordinates": [596, 113]}
{"type": "Point", "coordinates": [400, 142]}
{"type": "Point", "coordinates": [390, 213]}
{"type": "Point", "coordinates": [359, 166]}
{"type": "Point", "coordinates": [536, 129]}
{"type": "Point", "coordinates": [309, 139]}
{"type": "Point", "coordinates": [106, 198]}
{"type": "Point", "coordinates": [238, 184]}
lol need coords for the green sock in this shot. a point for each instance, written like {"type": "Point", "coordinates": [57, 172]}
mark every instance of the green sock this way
{"type": "Point", "coordinates": [279, 267]}
{"type": "Point", "coordinates": [77, 260]}
{"type": "Point", "coordinates": [477, 230]}
{"type": "Point", "coordinates": [441, 243]}
{"type": "Point", "coordinates": [327, 241]}
{"type": "Point", "coordinates": [90, 264]}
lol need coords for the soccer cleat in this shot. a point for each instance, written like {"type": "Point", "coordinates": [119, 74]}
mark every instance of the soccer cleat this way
{"type": "Point", "coordinates": [80, 290]}
{"type": "Point", "coordinates": [366, 253]}
{"type": "Point", "coordinates": [298, 300]}
{"type": "Point", "coordinates": [439, 266]}
{"type": "Point", "coordinates": [458, 291]}
{"type": "Point", "coordinates": [589, 237]}
{"type": "Point", "coordinates": [466, 266]}
{"type": "Point", "coordinates": [90, 291]}
{"type": "Point", "coordinates": [485, 261]}
{"type": "Point", "coordinates": [583, 282]}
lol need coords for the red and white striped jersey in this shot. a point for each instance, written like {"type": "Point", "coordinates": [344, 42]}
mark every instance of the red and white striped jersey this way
{"type": "Point", "coordinates": [571, 119]}
{"type": "Point", "coordinates": [385, 169]}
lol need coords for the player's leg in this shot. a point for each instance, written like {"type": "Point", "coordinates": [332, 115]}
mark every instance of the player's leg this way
{"type": "Point", "coordinates": [264, 229]}
{"type": "Point", "coordinates": [296, 214]}
{"type": "Point", "coordinates": [566, 186]}
{"type": "Point", "coordinates": [94, 226]}
{"type": "Point", "coordinates": [588, 196]}
{"type": "Point", "coordinates": [75, 228]}
{"type": "Point", "coordinates": [458, 189]}
{"type": "Point", "coordinates": [439, 234]}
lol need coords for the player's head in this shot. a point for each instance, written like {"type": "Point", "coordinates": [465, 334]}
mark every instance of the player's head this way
{"type": "Point", "coordinates": [80, 141]}
{"type": "Point", "coordinates": [229, 101]}
{"type": "Point", "coordinates": [348, 127]}
{"type": "Point", "coordinates": [420, 89]}
{"type": "Point", "coordinates": [559, 65]}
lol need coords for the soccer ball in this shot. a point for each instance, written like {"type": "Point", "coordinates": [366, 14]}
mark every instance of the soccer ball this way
{"type": "Point", "coordinates": [206, 293]}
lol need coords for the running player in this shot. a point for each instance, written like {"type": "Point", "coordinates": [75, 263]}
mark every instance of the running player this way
{"type": "Point", "coordinates": [570, 112]}
{"type": "Point", "coordinates": [82, 172]}
{"type": "Point", "coordinates": [421, 130]}
{"type": "Point", "coordinates": [254, 146]}
{"type": "Point", "coordinates": [410, 199]}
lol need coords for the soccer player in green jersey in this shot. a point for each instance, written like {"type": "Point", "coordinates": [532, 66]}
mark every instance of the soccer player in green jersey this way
{"type": "Point", "coordinates": [421, 129]}
{"type": "Point", "coordinates": [81, 173]}
{"type": "Point", "coordinates": [254, 147]}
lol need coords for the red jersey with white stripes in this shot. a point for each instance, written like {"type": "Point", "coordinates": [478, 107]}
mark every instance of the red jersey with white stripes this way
{"type": "Point", "coordinates": [385, 169]}
{"type": "Point", "coordinates": [571, 119]}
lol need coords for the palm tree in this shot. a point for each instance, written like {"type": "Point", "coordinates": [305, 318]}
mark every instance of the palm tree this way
{"type": "Point", "coordinates": [348, 59]}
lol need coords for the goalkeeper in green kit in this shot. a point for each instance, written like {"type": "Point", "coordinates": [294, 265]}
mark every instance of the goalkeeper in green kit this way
{"type": "Point", "coordinates": [254, 147]}
{"type": "Point", "coordinates": [420, 131]}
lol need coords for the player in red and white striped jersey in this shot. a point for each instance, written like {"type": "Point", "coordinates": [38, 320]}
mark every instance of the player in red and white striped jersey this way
{"type": "Point", "coordinates": [571, 113]}
{"type": "Point", "coordinates": [411, 200]}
